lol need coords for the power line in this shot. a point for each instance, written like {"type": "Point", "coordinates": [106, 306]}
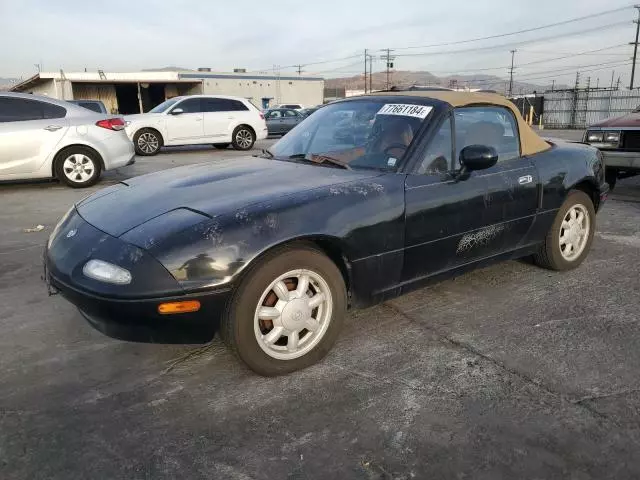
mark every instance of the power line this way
{"type": "Point", "coordinates": [515, 44]}
{"type": "Point", "coordinates": [485, 69]}
{"type": "Point", "coordinates": [533, 29]}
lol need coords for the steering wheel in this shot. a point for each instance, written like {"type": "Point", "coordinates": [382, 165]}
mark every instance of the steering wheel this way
{"type": "Point", "coordinates": [394, 146]}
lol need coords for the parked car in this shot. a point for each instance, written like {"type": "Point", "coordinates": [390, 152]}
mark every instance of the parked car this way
{"type": "Point", "coordinates": [305, 112]}
{"type": "Point", "coordinates": [43, 138]}
{"type": "Point", "coordinates": [93, 105]}
{"type": "Point", "coordinates": [619, 141]}
{"type": "Point", "coordinates": [272, 250]}
{"type": "Point", "coordinates": [281, 120]}
{"type": "Point", "coordinates": [195, 120]}
{"type": "Point", "coordinates": [292, 106]}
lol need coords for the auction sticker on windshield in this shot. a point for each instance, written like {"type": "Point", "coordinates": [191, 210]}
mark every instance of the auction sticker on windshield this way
{"type": "Point", "coordinates": [405, 110]}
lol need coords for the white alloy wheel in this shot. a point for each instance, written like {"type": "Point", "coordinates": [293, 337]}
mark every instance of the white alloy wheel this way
{"type": "Point", "coordinates": [574, 232]}
{"type": "Point", "coordinates": [293, 314]}
{"type": "Point", "coordinates": [78, 168]}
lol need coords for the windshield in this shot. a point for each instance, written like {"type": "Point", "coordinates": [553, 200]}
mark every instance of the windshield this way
{"type": "Point", "coordinates": [164, 105]}
{"type": "Point", "coordinates": [366, 134]}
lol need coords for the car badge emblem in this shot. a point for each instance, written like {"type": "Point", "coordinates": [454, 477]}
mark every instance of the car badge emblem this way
{"type": "Point", "coordinates": [72, 233]}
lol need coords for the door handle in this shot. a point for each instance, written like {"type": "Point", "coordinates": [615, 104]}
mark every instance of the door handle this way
{"type": "Point", "coordinates": [525, 179]}
{"type": "Point", "coordinates": [53, 128]}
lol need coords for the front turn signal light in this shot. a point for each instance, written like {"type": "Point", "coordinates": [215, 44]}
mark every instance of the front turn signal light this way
{"type": "Point", "coordinates": [179, 307]}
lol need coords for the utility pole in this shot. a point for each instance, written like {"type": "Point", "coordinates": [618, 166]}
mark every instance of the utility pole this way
{"type": "Point", "coordinates": [618, 83]}
{"type": "Point", "coordinates": [635, 47]}
{"type": "Point", "coordinates": [577, 81]}
{"type": "Point", "coordinates": [365, 71]}
{"type": "Point", "coordinates": [553, 84]}
{"type": "Point", "coordinates": [370, 73]}
{"type": "Point", "coordinates": [513, 54]}
{"type": "Point", "coordinates": [613, 72]}
{"type": "Point", "coordinates": [389, 59]}
{"type": "Point", "coordinates": [299, 69]}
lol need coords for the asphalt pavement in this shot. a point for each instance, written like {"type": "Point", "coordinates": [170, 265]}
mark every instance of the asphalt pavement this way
{"type": "Point", "coordinates": [509, 372]}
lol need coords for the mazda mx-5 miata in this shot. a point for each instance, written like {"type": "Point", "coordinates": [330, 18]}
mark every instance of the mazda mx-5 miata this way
{"type": "Point", "coordinates": [272, 250]}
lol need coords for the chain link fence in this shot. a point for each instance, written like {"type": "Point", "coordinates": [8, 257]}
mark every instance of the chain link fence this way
{"type": "Point", "coordinates": [583, 107]}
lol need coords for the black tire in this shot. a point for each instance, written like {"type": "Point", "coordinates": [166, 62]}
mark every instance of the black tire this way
{"type": "Point", "coordinates": [237, 326]}
{"type": "Point", "coordinates": [89, 160]}
{"type": "Point", "coordinates": [150, 144]}
{"type": "Point", "coordinates": [243, 138]}
{"type": "Point", "coordinates": [611, 177]}
{"type": "Point", "coordinates": [550, 254]}
{"type": "Point", "coordinates": [221, 146]}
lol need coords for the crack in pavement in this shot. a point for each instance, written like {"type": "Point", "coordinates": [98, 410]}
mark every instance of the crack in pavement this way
{"type": "Point", "coordinates": [445, 339]}
{"type": "Point", "coordinates": [606, 395]}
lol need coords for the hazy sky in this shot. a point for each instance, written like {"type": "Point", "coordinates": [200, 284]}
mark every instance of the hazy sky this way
{"type": "Point", "coordinates": [119, 35]}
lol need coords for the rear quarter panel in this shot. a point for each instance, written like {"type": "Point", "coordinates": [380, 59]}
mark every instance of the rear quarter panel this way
{"type": "Point", "coordinates": [560, 169]}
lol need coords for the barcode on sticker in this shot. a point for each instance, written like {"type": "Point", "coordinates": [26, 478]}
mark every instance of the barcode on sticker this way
{"type": "Point", "coordinates": [405, 110]}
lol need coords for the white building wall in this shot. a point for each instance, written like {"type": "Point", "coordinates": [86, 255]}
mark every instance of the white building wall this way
{"type": "Point", "coordinates": [46, 87]}
{"type": "Point", "coordinates": [291, 89]}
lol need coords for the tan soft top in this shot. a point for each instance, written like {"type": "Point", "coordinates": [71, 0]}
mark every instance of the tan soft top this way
{"type": "Point", "coordinates": [530, 142]}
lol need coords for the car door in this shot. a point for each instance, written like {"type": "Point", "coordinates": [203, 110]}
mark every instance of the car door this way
{"type": "Point", "coordinates": [512, 183]}
{"type": "Point", "coordinates": [453, 219]}
{"type": "Point", "coordinates": [29, 133]}
{"type": "Point", "coordinates": [184, 121]}
{"type": "Point", "coordinates": [218, 116]}
{"type": "Point", "coordinates": [290, 118]}
{"type": "Point", "coordinates": [275, 122]}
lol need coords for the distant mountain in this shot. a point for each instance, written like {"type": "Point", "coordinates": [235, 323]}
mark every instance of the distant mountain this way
{"type": "Point", "coordinates": [7, 83]}
{"type": "Point", "coordinates": [165, 69]}
{"type": "Point", "coordinates": [401, 78]}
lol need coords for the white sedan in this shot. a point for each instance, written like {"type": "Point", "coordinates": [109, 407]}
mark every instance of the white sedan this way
{"type": "Point", "coordinates": [43, 138]}
{"type": "Point", "coordinates": [197, 119]}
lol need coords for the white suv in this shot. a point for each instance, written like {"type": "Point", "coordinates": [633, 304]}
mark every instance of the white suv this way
{"type": "Point", "coordinates": [43, 138]}
{"type": "Point", "coordinates": [197, 119]}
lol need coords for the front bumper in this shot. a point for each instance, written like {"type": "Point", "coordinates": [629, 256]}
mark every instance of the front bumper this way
{"type": "Point", "coordinates": [138, 320]}
{"type": "Point", "coordinates": [621, 160]}
{"type": "Point", "coordinates": [127, 312]}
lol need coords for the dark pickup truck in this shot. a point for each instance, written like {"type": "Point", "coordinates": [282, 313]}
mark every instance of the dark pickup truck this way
{"type": "Point", "coordinates": [619, 141]}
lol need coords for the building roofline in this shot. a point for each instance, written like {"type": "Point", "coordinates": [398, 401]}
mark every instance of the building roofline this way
{"type": "Point", "coordinates": [203, 75]}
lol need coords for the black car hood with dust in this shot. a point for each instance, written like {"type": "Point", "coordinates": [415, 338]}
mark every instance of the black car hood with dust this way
{"type": "Point", "coordinates": [210, 189]}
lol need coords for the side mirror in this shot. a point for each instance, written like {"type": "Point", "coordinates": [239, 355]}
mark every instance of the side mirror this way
{"type": "Point", "coordinates": [177, 111]}
{"type": "Point", "coordinates": [478, 157]}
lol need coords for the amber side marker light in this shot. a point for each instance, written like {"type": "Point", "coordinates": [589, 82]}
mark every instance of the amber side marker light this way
{"type": "Point", "coordinates": [179, 307]}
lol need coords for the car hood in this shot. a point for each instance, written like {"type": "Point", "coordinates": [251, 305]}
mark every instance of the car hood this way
{"type": "Point", "coordinates": [630, 120]}
{"type": "Point", "coordinates": [208, 189]}
{"type": "Point", "coordinates": [141, 116]}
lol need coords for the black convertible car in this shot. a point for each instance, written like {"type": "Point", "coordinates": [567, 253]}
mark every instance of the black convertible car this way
{"type": "Point", "coordinates": [271, 250]}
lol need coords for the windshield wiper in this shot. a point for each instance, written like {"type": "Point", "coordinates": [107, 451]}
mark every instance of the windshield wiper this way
{"type": "Point", "coordinates": [267, 153]}
{"type": "Point", "coordinates": [320, 159]}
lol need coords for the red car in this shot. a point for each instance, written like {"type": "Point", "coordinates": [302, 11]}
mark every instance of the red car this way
{"type": "Point", "coordinates": [619, 141]}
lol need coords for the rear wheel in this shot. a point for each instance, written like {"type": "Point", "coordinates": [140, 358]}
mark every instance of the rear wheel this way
{"type": "Point", "coordinates": [243, 138]}
{"type": "Point", "coordinates": [287, 312]}
{"type": "Point", "coordinates": [147, 142]}
{"type": "Point", "coordinates": [78, 167]}
{"type": "Point", "coordinates": [221, 146]}
{"type": "Point", "coordinates": [569, 239]}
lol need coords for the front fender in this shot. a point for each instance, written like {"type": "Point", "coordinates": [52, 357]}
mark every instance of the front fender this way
{"type": "Point", "coordinates": [364, 218]}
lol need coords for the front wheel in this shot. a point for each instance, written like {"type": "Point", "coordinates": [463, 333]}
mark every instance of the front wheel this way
{"type": "Point", "coordinates": [243, 138]}
{"type": "Point", "coordinates": [569, 239]}
{"type": "Point", "coordinates": [147, 142]}
{"type": "Point", "coordinates": [287, 312]}
{"type": "Point", "coordinates": [78, 167]}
